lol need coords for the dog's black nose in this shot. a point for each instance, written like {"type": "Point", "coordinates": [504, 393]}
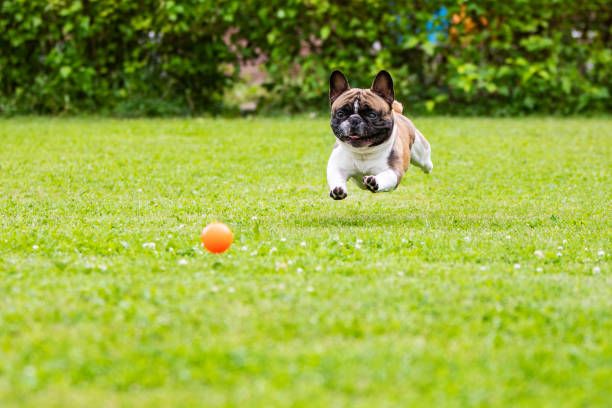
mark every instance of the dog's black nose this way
{"type": "Point", "coordinates": [354, 120]}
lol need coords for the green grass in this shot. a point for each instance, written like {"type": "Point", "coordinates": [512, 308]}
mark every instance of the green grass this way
{"type": "Point", "coordinates": [428, 296]}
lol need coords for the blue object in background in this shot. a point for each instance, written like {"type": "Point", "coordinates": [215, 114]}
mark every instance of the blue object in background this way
{"type": "Point", "coordinates": [437, 25]}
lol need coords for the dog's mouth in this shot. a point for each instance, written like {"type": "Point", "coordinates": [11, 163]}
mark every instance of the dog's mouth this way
{"type": "Point", "coordinates": [357, 140]}
{"type": "Point", "coordinates": [360, 141]}
{"type": "Point", "coordinates": [365, 140]}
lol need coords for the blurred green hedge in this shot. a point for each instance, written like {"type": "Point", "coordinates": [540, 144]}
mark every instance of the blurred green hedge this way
{"type": "Point", "coordinates": [142, 57]}
{"type": "Point", "coordinates": [173, 57]}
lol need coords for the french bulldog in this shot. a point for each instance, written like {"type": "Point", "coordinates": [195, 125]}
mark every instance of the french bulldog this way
{"type": "Point", "coordinates": [375, 143]}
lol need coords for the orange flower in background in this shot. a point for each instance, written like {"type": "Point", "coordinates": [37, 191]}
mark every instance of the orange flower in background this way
{"type": "Point", "coordinates": [468, 23]}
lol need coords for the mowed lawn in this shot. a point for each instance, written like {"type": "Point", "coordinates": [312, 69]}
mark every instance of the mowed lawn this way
{"type": "Point", "coordinates": [486, 283]}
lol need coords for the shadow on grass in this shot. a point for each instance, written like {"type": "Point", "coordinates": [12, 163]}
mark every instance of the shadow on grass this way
{"type": "Point", "coordinates": [417, 219]}
{"type": "Point", "coordinates": [358, 220]}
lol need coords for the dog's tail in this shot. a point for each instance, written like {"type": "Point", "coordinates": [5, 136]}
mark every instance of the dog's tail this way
{"type": "Point", "coordinates": [398, 107]}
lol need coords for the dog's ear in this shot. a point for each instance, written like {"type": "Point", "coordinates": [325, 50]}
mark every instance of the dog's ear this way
{"type": "Point", "coordinates": [337, 85]}
{"type": "Point", "coordinates": [383, 86]}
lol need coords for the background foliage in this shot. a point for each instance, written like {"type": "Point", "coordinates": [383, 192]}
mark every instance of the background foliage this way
{"type": "Point", "coordinates": [159, 57]}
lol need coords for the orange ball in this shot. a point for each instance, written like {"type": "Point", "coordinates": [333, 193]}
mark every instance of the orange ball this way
{"type": "Point", "coordinates": [217, 237]}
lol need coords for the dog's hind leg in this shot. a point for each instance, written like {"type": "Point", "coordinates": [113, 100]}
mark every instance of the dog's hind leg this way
{"type": "Point", "coordinates": [420, 153]}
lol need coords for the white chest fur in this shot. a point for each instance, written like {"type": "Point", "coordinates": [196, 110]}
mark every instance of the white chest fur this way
{"type": "Point", "coordinates": [347, 162]}
{"type": "Point", "coordinates": [360, 161]}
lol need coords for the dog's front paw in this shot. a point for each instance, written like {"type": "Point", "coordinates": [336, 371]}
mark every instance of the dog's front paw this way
{"type": "Point", "coordinates": [338, 193]}
{"type": "Point", "coordinates": [370, 183]}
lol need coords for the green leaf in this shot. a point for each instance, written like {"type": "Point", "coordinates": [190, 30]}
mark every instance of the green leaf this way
{"type": "Point", "coordinates": [411, 42]}
{"type": "Point", "coordinates": [65, 71]}
{"type": "Point", "coordinates": [325, 31]}
{"type": "Point", "coordinates": [566, 85]}
{"type": "Point", "coordinates": [430, 105]}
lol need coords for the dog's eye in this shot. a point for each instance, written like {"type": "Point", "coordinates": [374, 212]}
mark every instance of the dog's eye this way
{"type": "Point", "coordinates": [341, 114]}
{"type": "Point", "coordinates": [372, 115]}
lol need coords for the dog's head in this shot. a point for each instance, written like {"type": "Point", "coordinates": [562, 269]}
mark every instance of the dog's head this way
{"type": "Point", "coordinates": [361, 117]}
